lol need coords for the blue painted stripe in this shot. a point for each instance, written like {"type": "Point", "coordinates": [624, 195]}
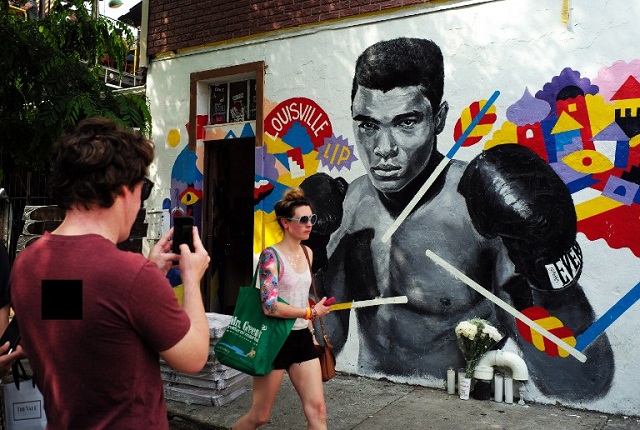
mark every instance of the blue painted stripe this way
{"type": "Point", "coordinates": [599, 326]}
{"type": "Point", "coordinates": [467, 131]}
{"type": "Point", "coordinates": [581, 183]}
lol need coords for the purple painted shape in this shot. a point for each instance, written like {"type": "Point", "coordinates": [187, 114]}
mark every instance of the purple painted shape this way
{"type": "Point", "coordinates": [332, 153]}
{"type": "Point", "coordinates": [566, 173]}
{"type": "Point", "coordinates": [528, 110]}
{"type": "Point", "coordinates": [265, 164]}
{"type": "Point", "coordinates": [567, 77]}
{"type": "Point", "coordinates": [612, 132]}
{"type": "Point", "coordinates": [620, 190]}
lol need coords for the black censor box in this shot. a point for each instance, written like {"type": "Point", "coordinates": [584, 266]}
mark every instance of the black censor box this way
{"type": "Point", "coordinates": [62, 299]}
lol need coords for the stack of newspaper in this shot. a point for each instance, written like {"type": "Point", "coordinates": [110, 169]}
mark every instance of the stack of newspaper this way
{"type": "Point", "coordinates": [215, 385]}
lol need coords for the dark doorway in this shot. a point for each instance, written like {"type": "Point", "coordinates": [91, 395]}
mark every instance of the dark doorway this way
{"type": "Point", "coordinates": [228, 220]}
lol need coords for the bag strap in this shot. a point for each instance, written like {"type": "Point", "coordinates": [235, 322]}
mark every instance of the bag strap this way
{"type": "Point", "coordinates": [315, 294]}
{"type": "Point", "coordinates": [255, 274]}
{"type": "Point", "coordinates": [18, 372]}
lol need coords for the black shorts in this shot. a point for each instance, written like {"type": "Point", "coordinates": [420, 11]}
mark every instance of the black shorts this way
{"type": "Point", "coordinates": [297, 348]}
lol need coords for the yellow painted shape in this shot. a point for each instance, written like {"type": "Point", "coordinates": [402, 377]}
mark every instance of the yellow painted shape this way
{"type": "Point", "coordinates": [266, 230]}
{"type": "Point", "coordinates": [601, 114]}
{"type": "Point", "coordinates": [179, 292]}
{"type": "Point", "coordinates": [595, 207]}
{"type": "Point", "coordinates": [537, 340]}
{"type": "Point", "coordinates": [599, 163]}
{"type": "Point", "coordinates": [173, 137]}
{"type": "Point", "coordinates": [571, 341]}
{"type": "Point", "coordinates": [565, 123]}
{"type": "Point", "coordinates": [547, 323]}
{"type": "Point", "coordinates": [506, 134]}
{"type": "Point", "coordinates": [635, 140]}
{"type": "Point", "coordinates": [341, 306]}
{"type": "Point", "coordinates": [480, 129]}
{"type": "Point", "coordinates": [275, 145]}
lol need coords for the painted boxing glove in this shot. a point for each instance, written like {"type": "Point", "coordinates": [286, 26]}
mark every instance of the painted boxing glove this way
{"type": "Point", "coordinates": [326, 195]}
{"type": "Point", "coordinates": [512, 193]}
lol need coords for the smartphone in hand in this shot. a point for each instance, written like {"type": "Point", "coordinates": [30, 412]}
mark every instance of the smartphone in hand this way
{"type": "Point", "coordinates": [182, 233]}
{"type": "Point", "coordinates": [330, 301]}
{"type": "Point", "coordinates": [11, 334]}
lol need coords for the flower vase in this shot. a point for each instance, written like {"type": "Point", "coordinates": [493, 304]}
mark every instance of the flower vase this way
{"type": "Point", "coordinates": [464, 387]}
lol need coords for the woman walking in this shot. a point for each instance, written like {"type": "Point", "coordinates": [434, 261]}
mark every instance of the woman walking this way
{"type": "Point", "coordinates": [298, 356]}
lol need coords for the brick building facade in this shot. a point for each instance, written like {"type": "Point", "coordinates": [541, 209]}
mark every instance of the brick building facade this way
{"type": "Point", "coordinates": [176, 25]}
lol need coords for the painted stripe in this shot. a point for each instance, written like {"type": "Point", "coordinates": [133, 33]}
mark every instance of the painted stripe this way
{"type": "Point", "coordinates": [373, 302]}
{"type": "Point", "coordinates": [414, 201]}
{"type": "Point", "coordinates": [473, 124]}
{"type": "Point", "coordinates": [595, 207]}
{"type": "Point", "coordinates": [434, 175]}
{"type": "Point", "coordinates": [550, 323]}
{"type": "Point", "coordinates": [501, 303]}
{"type": "Point", "coordinates": [601, 324]}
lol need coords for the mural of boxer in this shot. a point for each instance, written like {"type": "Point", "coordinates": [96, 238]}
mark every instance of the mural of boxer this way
{"type": "Point", "coordinates": [506, 220]}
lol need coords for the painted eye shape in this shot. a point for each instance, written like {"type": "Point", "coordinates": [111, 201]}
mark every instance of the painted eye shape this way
{"type": "Point", "coordinates": [588, 161]}
{"type": "Point", "coordinates": [190, 196]}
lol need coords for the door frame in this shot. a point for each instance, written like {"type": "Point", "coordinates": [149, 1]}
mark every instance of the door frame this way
{"type": "Point", "coordinates": [199, 104]}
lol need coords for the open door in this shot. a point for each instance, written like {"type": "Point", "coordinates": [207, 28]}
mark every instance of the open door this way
{"type": "Point", "coordinates": [228, 220]}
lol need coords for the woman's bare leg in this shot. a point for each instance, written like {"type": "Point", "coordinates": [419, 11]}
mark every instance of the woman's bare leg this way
{"type": "Point", "coordinates": [265, 390]}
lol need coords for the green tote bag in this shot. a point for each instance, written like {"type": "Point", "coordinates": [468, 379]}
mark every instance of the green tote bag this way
{"type": "Point", "coordinates": [252, 339]}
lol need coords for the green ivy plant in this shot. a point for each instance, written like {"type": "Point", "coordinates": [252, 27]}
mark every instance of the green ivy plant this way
{"type": "Point", "coordinates": [53, 78]}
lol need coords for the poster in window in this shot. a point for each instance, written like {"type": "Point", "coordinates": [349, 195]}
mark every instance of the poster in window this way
{"type": "Point", "coordinates": [237, 101]}
{"type": "Point", "coordinates": [218, 106]}
{"type": "Point", "coordinates": [252, 99]}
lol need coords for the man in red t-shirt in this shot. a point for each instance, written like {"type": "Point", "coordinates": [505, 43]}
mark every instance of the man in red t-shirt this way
{"type": "Point", "coordinates": [95, 319]}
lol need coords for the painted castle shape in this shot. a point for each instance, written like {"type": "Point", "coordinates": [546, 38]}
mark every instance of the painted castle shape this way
{"type": "Point", "coordinates": [592, 144]}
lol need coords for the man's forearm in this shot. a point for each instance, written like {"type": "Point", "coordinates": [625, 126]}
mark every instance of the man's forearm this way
{"type": "Point", "coordinates": [193, 305]}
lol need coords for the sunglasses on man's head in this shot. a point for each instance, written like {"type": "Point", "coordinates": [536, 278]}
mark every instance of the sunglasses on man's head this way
{"type": "Point", "coordinates": [147, 186]}
{"type": "Point", "coordinates": [305, 219]}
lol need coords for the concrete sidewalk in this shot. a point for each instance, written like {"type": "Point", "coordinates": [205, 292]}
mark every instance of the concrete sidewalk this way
{"type": "Point", "coordinates": [361, 403]}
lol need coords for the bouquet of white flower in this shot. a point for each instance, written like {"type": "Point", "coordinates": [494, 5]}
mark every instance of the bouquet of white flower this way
{"type": "Point", "coordinates": [475, 337]}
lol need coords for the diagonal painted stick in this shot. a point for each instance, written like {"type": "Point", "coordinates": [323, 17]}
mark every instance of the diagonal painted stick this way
{"type": "Point", "coordinates": [499, 302]}
{"type": "Point", "coordinates": [374, 302]}
{"type": "Point", "coordinates": [439, 168]}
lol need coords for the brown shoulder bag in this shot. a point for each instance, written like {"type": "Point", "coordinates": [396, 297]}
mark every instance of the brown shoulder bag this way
{"type": "Point", "coordinates": [327, 358]}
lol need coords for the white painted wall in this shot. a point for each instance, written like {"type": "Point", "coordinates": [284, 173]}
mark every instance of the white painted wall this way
{"type": "Point", "coordinates": [503, 45]}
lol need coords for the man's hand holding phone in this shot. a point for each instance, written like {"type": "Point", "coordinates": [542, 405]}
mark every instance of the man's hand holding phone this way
{"type": "Point", "coordinates": [161, 253]}
{"type": "Point", "coordinates": [182, 233]}
{"type": "Point", "coordinates": [193, 257]}
{"type": "Point", "coordinates": [166, 252]}
{"type": "Point", "coordinates": [182, 246]}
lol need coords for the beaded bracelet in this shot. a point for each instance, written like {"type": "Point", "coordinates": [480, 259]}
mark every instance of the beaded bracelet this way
{"type": "Point", "coordinates": [314, 313]}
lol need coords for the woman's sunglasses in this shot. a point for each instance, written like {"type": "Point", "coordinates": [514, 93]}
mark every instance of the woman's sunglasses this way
{"type": "Point", "coordinates": [305, 219]}
{"type": "Point", "coordinates": [147, 186]}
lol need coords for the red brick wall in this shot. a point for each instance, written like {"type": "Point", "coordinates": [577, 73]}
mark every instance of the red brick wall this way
{"type": "Point", "coordinates": [178, 24]}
